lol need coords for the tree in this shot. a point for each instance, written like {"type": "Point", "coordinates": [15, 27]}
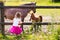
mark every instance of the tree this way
{"type": "Point", "coordinates": [55, 0]}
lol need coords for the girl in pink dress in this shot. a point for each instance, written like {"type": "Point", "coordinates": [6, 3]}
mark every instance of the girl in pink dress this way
{"type": "Point", "coordinates": [15, 28]}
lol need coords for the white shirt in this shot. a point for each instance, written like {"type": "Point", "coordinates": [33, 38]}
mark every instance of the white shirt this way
{"type": "Point", "coordinates": [16, 21]}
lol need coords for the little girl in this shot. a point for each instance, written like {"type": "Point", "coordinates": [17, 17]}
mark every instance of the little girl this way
{"type": "Point", "coordinates": [16, 29]}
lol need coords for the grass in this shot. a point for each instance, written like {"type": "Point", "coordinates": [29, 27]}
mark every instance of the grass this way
{"type": "Point", "coordinates": [48, 12]}
{"type": "Point", "coordinates": [35, 36]}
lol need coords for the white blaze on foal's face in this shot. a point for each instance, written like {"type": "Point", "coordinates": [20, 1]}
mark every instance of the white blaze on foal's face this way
{"type": "Point", "coordinates": [31, 12]}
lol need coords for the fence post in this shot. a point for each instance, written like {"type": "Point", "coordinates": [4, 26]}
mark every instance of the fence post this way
{"type": "Point", "coordinates": [2, 18]}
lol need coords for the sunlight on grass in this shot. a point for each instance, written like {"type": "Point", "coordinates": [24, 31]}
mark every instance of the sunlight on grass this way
{"type": "Point", "coordinates": [48, 12]}
{"type": "Point", "coordinates": [14, 3]}
{"type": "Point", "coordinates": [38, 2]}
{"type": "Point", "coordinates": [0, 35]}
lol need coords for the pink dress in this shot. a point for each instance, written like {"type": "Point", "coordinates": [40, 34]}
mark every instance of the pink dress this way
{"type": "Point", "coordinates": [15, 28]}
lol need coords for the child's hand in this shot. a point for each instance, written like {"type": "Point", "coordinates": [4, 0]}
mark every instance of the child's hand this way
{"type": "Point", "coordinates": [20, 22]}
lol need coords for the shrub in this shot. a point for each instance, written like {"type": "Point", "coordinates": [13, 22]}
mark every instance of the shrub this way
{"type": "Point", "coordinates": [55, 1]}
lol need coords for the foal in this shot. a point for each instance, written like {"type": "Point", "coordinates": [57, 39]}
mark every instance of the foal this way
{"type": "Point", "coordinates": [36, 19]}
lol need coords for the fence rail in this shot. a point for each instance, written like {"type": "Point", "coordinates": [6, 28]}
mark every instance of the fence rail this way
{"type": "Point", "coordinates": [37, 23]}
{"type": "Point", "coordinates": [43, 7]}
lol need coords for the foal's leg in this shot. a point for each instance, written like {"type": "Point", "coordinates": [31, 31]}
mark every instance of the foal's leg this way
{"type": "Point", "coordinates": [34, 27]}
{"type": "Point", "coordinates": [39, 27]}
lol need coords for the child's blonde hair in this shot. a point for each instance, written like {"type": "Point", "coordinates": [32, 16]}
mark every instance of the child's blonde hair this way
{"type": "Point", "coordinates": [18, 14]}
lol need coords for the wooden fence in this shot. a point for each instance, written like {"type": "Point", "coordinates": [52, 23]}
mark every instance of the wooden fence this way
{"type": "Point", "coordinates": [42, 23]}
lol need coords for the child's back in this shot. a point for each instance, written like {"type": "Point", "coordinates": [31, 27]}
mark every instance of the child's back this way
{"type": "Point", "coordinates": [16, 21]}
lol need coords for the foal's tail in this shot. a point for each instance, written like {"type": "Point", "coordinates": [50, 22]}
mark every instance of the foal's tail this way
{"type": "Point", "coordinates": [40, 18]}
